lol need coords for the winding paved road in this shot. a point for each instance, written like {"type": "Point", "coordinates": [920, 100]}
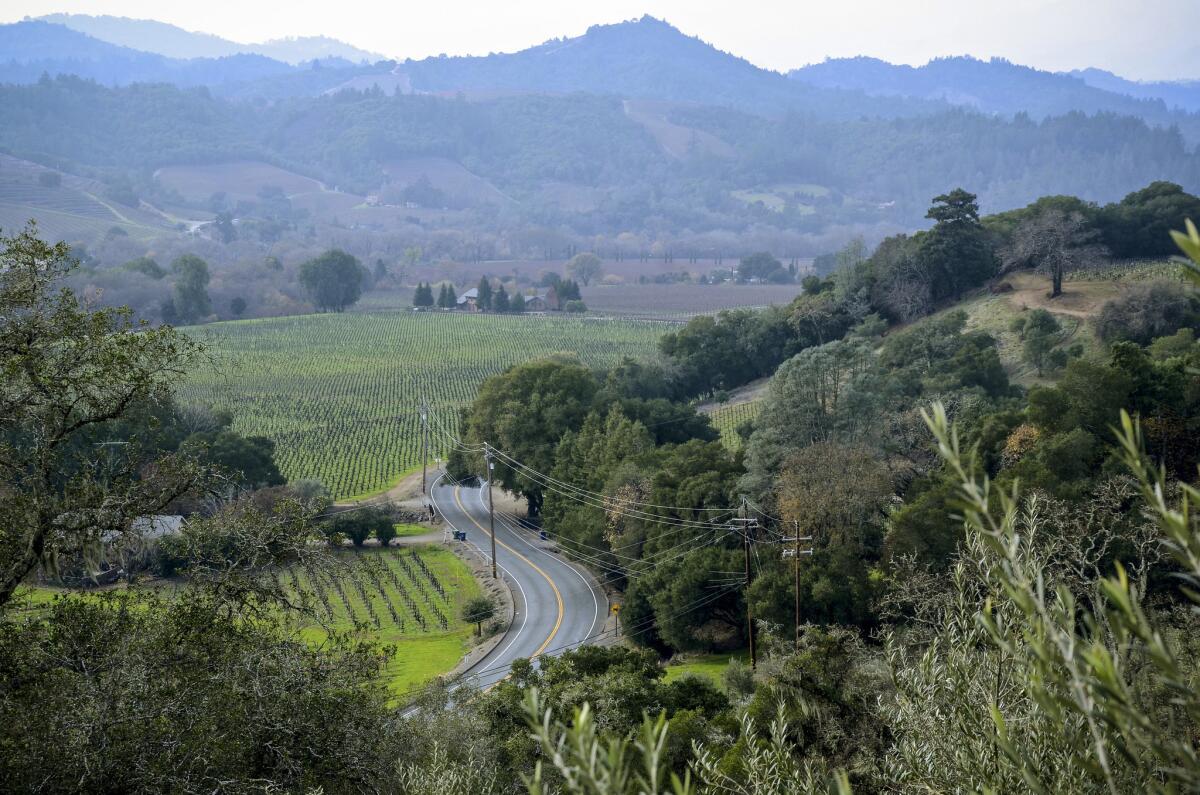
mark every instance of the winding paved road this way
{"type": "Point", "coordinates": [558, 604]}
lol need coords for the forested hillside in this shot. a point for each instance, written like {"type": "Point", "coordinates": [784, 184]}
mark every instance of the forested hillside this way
{"type": "Point", "coordinates": [998, 86]}
{"type": "Point", "coordinates": [865, 169]}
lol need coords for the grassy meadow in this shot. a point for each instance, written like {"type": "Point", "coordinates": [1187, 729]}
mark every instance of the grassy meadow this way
{"type": "Point", "coordinates": [710, 666]}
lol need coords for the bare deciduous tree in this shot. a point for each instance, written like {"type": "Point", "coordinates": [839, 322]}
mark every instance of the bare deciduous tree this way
{"type": "Point", "coordinates": [1054, 242]}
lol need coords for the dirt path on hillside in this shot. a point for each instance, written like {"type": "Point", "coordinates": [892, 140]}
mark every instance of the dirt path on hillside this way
{"type": "Point", "coordinates": [1079, 299]}
{"type": "Point", "coordinates": [743, 394]}
{"type": "Point", "coordinates": [405, 494]}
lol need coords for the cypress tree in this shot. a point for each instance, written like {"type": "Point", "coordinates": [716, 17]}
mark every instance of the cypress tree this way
{"type": "Point", "coordinates": [422, 296]}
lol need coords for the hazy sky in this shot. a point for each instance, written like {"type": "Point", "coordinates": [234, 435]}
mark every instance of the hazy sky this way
{"type": "Point", "coordinates": [1145, 39]}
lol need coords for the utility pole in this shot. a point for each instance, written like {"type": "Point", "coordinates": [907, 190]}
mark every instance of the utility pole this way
{"type": "Point", "coordinates": [796, 552]}
{"type": "Point", "coordinates": [796, 567]}
{"type": "Point", "coordinates": [424, 444]}
{"type": "Point", "coordinates": [487, 456]}
{"type": "Point", "coordinates": [747, 526]}
{"type": "Point", "coordinates": [749, 616]}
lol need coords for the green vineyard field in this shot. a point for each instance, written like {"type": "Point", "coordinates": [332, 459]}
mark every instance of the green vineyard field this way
{"type": "Point", "coordinates": [727, 418]}
{"type": "Point", "coordinates": [394, 594]}
{"type": "Point", "coordinates": [340, 393]}
{"type": "Point", "coordinates": [405, 597]}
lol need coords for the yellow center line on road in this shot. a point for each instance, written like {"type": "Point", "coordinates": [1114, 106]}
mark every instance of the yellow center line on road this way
{"type": "Point", "coordinates": [534, 566]}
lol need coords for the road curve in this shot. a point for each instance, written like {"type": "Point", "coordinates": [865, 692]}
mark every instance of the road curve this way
{"type": "Point", "coordinates": [558, 604]}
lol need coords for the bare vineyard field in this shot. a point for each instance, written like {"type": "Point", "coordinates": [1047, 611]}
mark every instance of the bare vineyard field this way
{"type": "Point", "coordinates": [68, 214]}
{"type": "Point", "coordinates": [340, 393]}
{"type": "Point", "coordinates": [682, 301]}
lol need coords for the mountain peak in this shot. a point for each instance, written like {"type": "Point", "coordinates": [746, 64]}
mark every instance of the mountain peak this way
{"type": "Point", "coordinates": [162, 38]}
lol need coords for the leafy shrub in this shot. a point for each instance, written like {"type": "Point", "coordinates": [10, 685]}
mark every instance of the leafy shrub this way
{"type": "Point", "coordinates": [1147, 311]}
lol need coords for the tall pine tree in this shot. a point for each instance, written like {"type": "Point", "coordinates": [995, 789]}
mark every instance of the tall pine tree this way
{"type": "Point", "coordinates": [485, 294]}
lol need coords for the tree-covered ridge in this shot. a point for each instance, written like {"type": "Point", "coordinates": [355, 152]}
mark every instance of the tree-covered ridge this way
{"type": "Point", "coordinates": [999, 86]}
{"type": "Point", "coordinates": [874, 169]}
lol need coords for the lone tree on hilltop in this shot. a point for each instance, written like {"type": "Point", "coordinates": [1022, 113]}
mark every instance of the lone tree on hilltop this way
{"type": "Point", "coordinates": [477, 610]}
{"type": "Point", "coordinates": [1055, 242]}
{"type": "Point", "coordinates": [333, 280]}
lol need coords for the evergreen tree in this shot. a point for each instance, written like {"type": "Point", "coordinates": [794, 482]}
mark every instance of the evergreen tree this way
{"type": "Point", "coordinates": [956, 251]}
{"type": "Point", "coordinates": [500, 300]}
{"type": "Point", "coordinates": [516, 304]}
{"type": "Point", "coordinates": [451, 297]}
{"type": "Point", "coordinates": [568, 290]}
{"type": "Point", "coordinates": [423, 295]}
{"type": "Point", "coordinates": [485, 294]}
{"type": "Point", "coordinates": [441, 300]}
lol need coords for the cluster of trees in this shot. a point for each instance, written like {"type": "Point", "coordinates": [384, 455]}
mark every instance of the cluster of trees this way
{"type": "Point", "coordinates": [909, 276]}
{"type": "Point", "coordinates": [359, 525]}
{"type": "Point", "coordinates": [446, 298]}
{"type": "Point", "coordinates": [498, 299]}
{"type": "Point", "coordinates": [762, 267]}
{"type": "Point", "coordinates": [332, 281]}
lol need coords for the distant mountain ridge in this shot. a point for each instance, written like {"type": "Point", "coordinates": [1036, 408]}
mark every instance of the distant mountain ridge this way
{"type": "Point", "coordinates": [642, 59]}
{"type": "Point", "coordinates": [1182, 94]}
{"type": "Point", "coordinates": [32, 48]}
{"type": "Point", "coordinates": [172, 41]}
{"type": "Point", "coordinates": [1000, 86]}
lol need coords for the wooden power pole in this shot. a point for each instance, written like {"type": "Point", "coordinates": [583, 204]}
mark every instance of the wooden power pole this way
{"type": "Point", "coordinates": [746, 527]}
{"type": "Point", "coordinates": [796, 552]}
{"type": "Point", "coordinates": [749, 615]}
{"type": "Point", "coordinates": [487, 455]}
